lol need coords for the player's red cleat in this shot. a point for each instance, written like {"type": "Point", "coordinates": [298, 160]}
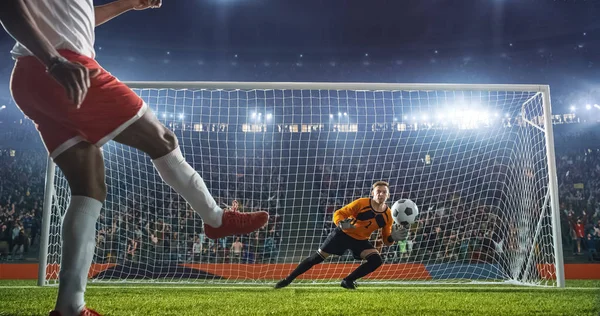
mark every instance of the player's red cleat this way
{"type": "Point", "coordinates": [85, 312]}
{"type": "Point", "coordinates": [237, 223]}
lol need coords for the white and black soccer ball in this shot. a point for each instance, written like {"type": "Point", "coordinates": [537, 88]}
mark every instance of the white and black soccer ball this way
{"type": "Point", "coordinates": [404, 212]}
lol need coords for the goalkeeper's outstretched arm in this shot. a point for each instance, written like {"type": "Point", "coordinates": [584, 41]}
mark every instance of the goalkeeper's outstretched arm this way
{"type": "Point", "coordinates": [345, 212]}
{"type": "Point", "coordinates": [386, 231]}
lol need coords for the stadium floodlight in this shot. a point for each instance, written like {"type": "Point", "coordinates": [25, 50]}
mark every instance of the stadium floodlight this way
{"type": "Point", "coordinates": [495, 188]}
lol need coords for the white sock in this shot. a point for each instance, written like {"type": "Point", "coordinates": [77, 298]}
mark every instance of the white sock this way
{"type": "Point", "coordinates": [177, 173]}
{"type": "Point", "coordinates": [78, 245]}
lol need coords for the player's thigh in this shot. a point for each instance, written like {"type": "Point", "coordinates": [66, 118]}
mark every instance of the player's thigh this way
{"type": "Point", "coordinates": [83, 166]}
{"type": "Point", "coordinates": [336, 243]}
{"type": "Point", "coordinates": [363, 248]}
{"type": "Point", "coordinates": [149, 135]}
{"type": "Point", "coordinates": [367, 252]}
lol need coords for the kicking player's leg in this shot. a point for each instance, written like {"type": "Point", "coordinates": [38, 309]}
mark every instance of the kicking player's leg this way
{"type": "Point", "coordinates": [374, 261]}
{"type": "Point", "coordinates": [83, 167]}
{"type": "Point", "coordinates": [43, 100]}
{"type": "Point", "coordinates": [152, 137]}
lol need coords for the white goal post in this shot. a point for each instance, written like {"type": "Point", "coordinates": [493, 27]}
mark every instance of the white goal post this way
{"type": "Point", "coordinates": [478, 159]}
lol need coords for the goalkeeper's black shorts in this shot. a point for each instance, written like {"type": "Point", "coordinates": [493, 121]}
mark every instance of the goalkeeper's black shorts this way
{"type": "Point", "coordinates": [338, 242]}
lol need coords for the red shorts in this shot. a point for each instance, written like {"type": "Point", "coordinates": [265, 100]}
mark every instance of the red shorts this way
{"type": "Point", "coordinates": [109, 106]}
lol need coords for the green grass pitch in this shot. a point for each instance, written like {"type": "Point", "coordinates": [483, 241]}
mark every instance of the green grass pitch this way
{"type": "Point", "coordinates": [578, 298]}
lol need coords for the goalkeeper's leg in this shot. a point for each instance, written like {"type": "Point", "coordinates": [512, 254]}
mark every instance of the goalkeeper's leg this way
{"type": "Point", "coordinates": [374, 261]}
{"type": "Point", "coordinates": [152, 137]}
{"type": "Point", "coordinates": [304, 266]}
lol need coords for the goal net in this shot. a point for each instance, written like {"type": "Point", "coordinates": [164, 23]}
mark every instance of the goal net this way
{"type": "Point", "coordinates": [477, 160]}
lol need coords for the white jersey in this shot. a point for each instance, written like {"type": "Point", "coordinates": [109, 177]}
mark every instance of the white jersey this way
{"type": "Point", "coordinates": [67, 24]}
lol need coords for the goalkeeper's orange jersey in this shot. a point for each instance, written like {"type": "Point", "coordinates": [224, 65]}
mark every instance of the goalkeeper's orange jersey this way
{"type": "Point", "coordinates": [365, 219]}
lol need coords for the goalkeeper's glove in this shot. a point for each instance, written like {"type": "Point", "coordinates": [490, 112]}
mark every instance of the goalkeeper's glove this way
{"type": "Point", "coordinates": [399, 232]}
{"type": "Point", "coordinates": [346, 224]}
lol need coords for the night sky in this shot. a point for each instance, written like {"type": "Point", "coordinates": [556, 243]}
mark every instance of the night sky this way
{"type": "Point", "coordinates": [458, 41]}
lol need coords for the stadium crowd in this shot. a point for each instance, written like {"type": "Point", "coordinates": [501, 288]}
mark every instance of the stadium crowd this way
{"type": "Point", "coordinates": [151, 223]}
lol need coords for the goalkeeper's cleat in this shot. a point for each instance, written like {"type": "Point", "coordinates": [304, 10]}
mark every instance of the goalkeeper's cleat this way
{"type": "Point", "coordinates": [350, 285]}
{"type": "Point", "coordinates": [237, 223]}
{"type": "Point", "coordinates": [281, 284]}
{"type": "Point", "coordinates": [85, 312]}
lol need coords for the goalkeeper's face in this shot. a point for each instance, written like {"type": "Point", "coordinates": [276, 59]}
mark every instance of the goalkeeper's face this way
{"type": "Point", "coordinates": [381, 193]}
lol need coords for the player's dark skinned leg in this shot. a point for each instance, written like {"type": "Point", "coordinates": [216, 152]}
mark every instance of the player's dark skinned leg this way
{"type": "Point", "coordinates": [150, 136]}
{"type": "Point", "coordinates": [83, 166]}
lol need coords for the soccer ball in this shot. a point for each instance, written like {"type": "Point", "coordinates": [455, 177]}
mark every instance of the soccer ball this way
{"type": "Point", "coordinates": [404, 212]}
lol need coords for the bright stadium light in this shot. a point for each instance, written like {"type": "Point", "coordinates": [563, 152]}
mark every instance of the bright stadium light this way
{"type": "Point", "coordinates": [573, 108]}
{"type": "Point", "coordinates": [164, 115]}
{"type": "Point", "coordinates": [181, 116]}
{"type": "Point", "coordinates": [2, 107]}
{"type": "Point", "coordinates": [330, 116]}
{"type": "Point", "coordinates": [597, 106]}
{"type": "Point", "coordinates": [339, 113]}
{"type": "Point", "coordinates": [345, 114]}
{"type": "Point", "coordinates": [253, 115]}
{"type": "Point", "coordinates": [588, 107]}
{"type": "Point", "coordinates": [269, 116]}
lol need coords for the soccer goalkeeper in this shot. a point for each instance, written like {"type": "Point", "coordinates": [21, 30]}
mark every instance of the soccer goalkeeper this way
{"type": "Point", "coordinates": [355, 223]}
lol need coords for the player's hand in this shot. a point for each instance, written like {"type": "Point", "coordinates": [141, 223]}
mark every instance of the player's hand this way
{"type": "Point", "coordinates": [399, 232]}
{"type": "Point", "coordinates": [74, 77]}
{"type": "Point", "coordinates": [346, 224]}
{"type": "Point", "coordinates": [145, 4]}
